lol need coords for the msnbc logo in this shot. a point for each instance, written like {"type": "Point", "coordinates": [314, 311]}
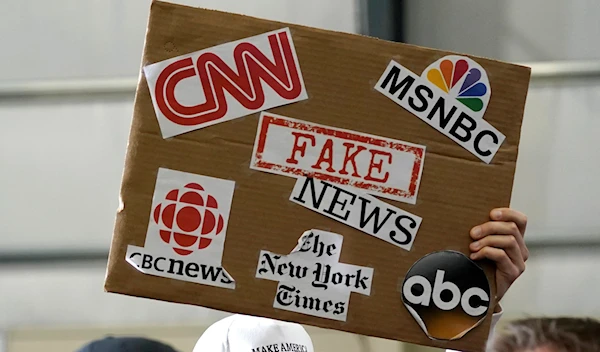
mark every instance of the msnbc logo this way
{"type": "Point", "coordinates": [451, 95]}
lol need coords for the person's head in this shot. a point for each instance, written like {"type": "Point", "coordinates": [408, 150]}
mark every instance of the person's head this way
{"type": "Point", "coordinates": [126, 344]}
{"type": "Point", "coordinates": [243, 333]}
{"type": "Point", "coordinates": [547, 335]}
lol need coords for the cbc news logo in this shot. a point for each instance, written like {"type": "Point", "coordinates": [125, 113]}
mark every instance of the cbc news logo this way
{"type": "Point", "coordinates": [447, 294]}
{"type": "Point", "coordinates": [188, 218]}
{"type": "Point", "coordinates": [186, 231]}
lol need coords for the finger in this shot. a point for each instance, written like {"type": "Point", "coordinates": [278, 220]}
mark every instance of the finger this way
{"type": "Point", "coordinates": [503, 262]}
{"type": "Point", "coordinates": [494, 228]}
{"type": "Point", "coordinates": [510, 215]}
{"type": "Point", "coordinates": [507, 243]}
{"type": "Point", "coordinates": [501, 228]}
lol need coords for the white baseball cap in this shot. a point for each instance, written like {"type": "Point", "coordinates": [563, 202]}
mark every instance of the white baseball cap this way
{"type": "Point", "coordinates": [243, 333]}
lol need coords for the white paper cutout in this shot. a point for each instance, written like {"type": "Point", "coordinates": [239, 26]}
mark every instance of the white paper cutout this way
{"type": "Point", "coordinates": [225, 82]}
{"type": "Point", "coordinates": [311, 279]}
{"type": "Point", "coordinates": [380, 166]}
{"type": "Point", "coordinates": [187, 228]}
{"type": "Point", "coordinates": [358, 210]}
{"type": "Point", "coordinates": [444, 111]}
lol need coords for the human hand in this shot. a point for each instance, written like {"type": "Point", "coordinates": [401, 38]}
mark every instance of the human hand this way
{"type": "Point", "coordinates": [501, 240]}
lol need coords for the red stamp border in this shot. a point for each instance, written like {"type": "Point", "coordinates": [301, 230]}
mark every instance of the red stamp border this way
{"type": "Point", "coordinates": [268, 120]}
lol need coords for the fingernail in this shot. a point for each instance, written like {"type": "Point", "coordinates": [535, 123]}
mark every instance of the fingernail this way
{"type": "Point", "coordinates": [475, 245]}
{"type": "Point", "coordinates": [497, 214]}
{"type": "Point", "coordinates": [473, 256]}
{"type": "Point", "coordinates": [476, 232]}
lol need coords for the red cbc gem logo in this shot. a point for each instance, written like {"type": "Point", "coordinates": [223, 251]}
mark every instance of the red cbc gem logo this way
{"type": "Point", "coordinates": [188, 217]}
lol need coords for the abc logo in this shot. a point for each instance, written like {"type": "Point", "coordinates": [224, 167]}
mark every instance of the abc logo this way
{"type": "Point", "coordinates": [447, 294]}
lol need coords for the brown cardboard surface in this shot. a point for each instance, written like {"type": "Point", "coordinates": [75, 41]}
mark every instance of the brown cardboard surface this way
{"type": "Point", "coordinates": [457, 190]}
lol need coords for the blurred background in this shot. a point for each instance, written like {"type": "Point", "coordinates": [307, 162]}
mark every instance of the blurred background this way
{"type": "Point", "coordinates": [68, 70]}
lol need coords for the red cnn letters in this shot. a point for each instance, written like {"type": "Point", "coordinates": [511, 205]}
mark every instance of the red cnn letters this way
{"type": "Point", "coordinates": [216, 77]}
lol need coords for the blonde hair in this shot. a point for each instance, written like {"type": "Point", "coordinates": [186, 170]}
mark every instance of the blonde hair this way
{"type": "Point", "coordinates": [557, 334]}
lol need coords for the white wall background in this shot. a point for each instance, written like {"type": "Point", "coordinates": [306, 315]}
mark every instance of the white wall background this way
{"type": "Point", "coordinates": [61, 157]}
{"type": "Point", "coordinates": [104, 38]}
{"type": "Point", "coordinates": [512, 30]}
{"type": "Point", "coordinates": [558, 169]}
{"type": "Point", "coordinates": [61, 168]}
{"type": "Point", "coordinates": [61, 160]}
{"type": "Point", "coordinates": [555, 182]}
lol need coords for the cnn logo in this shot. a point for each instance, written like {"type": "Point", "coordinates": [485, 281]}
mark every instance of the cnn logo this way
{"type": "Point", "coordinates": [265, 74]}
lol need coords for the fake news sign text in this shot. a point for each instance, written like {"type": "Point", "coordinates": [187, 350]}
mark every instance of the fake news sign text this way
{"type": "Point", "coordinates": [377, 165]}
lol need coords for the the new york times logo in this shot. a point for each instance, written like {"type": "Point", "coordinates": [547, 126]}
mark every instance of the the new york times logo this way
{"type": "Point", "coordinates": [447, 294]}
{"type": "Point", "coordinates": [320, 275]}
{"type": "Point", "coordinates": [311, 278]}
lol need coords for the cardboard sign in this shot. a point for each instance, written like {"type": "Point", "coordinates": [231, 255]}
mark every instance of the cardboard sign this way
{"type": "Point", "coordinates": [322, 86]}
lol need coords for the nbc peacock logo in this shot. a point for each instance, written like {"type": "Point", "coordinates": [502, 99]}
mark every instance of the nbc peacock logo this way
{"type": "Point", "coordinates": [462, 79]}
{"type": "Point", "coordinates": [451, 95]}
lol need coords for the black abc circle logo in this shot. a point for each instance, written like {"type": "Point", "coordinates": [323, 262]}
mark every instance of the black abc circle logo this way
{"type": "Point", "coordinates": [447, 293]}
